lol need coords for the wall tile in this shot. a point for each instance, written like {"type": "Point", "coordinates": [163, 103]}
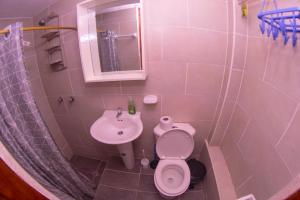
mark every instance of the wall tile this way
{"type": "Point", "coordinates": [253, 22]}
{"type": "Point", "coordinates": [91, 89]}
{"type": "Point", "coordinates": [212, 10]}
{"type": "Point", "coordinates": [162, 12]}
{"type": "Point", "coordinates": [235, 130]}
{"type": "Point", "coordinates": [234, 85]}
{"type": "Point", "coordinates": [272, 116]}
{"type": "Point", "coordinates": [211, 185]}
{"type": "Point", "coordinates": [188, 108]}
{"type": "Point", "coordinates": [69, 19]}
{"type": "Point", "coordinates": [237, 166]}
{"type": "Point", "coordinates": [202, 131]}
{"type": "Point", "coordinates": [71, 53]}
{"type": "Point", "coordinates": [283, 68]}
{"type": "Point", "coordinates": [87, 108]}
{"type": "Point", "coordinates": [56, 83]}
{"type": "Point", "coordinates": [256, 56]}
{"type": "Point", "coordinates": [31, 66]}
{"type": "Point", "coordinates": [288, 146]}
{"type": "Point", "coordinates": [241, 22]}
{"type": "Point", "coordinates": [182, 44]}
{"type": "Point", "coordinates": [240, 51]}
{"type": "Point", "coordinates": [265, 173]}
{"type": "Point", "coordinates": [204, 79]}
{"type": "Point", "coordinates": [153, 44]}
{"type": "Point", "coordinates": [164, 78]}
{"type": "Point", "coordinates": [37, 88]}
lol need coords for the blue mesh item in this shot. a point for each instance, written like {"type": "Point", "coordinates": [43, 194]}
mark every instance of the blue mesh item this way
{"type": "Point", "coordinates": [284, 22]}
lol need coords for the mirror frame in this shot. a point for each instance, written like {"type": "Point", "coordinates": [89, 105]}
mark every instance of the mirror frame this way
{"type": "Point", "coordinates": [88, 45]}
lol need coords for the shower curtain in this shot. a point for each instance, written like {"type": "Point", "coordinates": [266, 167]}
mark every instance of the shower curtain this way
{"type": "Point", "coordinates": [108, 51]}
{"type": "Point", "coordinates": [24, 133]}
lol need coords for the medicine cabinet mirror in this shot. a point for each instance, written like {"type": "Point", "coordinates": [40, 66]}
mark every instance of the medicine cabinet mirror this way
{"type": "Point", "coordinates": [111, 40]}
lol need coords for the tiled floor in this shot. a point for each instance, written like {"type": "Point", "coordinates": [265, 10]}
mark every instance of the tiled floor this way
{"type": "Point", "coordinates": [115, 182]}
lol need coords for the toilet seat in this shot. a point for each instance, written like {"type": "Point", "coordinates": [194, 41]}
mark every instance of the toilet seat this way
{"type": "Point", "coordinates": [172, 177]}
{"type": "Point", "coordinates": [175, 144]}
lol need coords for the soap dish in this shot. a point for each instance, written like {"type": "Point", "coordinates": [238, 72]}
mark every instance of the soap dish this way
{"type": "Point", "coordinates": [150, 99]}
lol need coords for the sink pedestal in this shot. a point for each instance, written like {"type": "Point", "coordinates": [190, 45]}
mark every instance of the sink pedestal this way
{"type": "Point", "coordinates": [126, 152]}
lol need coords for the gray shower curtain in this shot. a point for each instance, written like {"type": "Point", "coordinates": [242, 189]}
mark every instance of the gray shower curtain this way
{"type": "Point", "coordinates": [24, 133]}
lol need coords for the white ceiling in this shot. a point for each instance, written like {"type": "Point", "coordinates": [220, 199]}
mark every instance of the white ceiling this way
{"type": "Point", "coordinates": [22, 8]}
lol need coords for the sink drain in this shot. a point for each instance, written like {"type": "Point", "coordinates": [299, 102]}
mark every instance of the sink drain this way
{"type": "Point", "coordinates": [120, 133]}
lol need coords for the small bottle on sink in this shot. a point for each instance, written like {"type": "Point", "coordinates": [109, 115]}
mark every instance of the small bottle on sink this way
{"type": "Point", "coordinates": [131, 107]}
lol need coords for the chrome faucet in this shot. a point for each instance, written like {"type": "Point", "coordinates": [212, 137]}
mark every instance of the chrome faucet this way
{"type": "Point", "coordinates": [119, 112]}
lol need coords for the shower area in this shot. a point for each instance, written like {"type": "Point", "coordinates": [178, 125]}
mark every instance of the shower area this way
{"type": "Point", "coordinates": [230, 68]}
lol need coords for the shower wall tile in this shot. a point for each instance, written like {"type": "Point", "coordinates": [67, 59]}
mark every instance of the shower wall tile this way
{"type": "Point", "coordinates": [58, 107]}
{"type": "Point", "coordinates": [69, 19]}
{"type": "Point", "coordinates": [87, 108]}
{"type": "Point", "coordinates": [175, 41]}
{"type": "Point", "coordinates": [237, 166]}
{"type": "Point", "coordinates": [241, 22]}
{"type": "Point", "coordinates": [282, 74]}
{"type": "Point", "coordinates": [70, 123]}
{"type": "Point", "coordinates": [56, 84]}
{"type": "Point", "coordinates": [234, 85]}
{"type": "Point", "coordinates": [257, 53]}
{"type": "Point", "coordinates": [72, 58]}
{"type": "Point", "coordinates": [260, 142]}
{"type": "Point", "coordinates": [202, 131]}
{"type": "Point", "coordinates": [288, 146]}
{"type": "Point", "coordinates": [240, 51]}
{"type": "Point", "coordinates": [37, 88]}
{"type": "Point", "coordinates": [32, 66]}
{"type": "Point", "coordinates": [235, 130]}
{"type": "Point", "coordinates": [253, 23]}
{"type": "Point", "coordinates": [266, 159]}
{"type": "Point", "coordinates": [213, 11]}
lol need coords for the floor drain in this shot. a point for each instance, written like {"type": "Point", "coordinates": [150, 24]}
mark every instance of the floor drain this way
{"type": "Point", "coordinates": [170, 180]}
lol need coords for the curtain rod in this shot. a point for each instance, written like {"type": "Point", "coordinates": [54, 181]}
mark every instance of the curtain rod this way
{"type": "Point", "coordinates": [38, 28]}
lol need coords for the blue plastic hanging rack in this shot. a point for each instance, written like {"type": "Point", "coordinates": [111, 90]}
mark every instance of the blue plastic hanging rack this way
{"type": "Point", "coordinates": [285, 21]}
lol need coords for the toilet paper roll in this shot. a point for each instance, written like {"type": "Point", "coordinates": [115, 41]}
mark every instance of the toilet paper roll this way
{"type": "Point", "coordinates": [165, 122]}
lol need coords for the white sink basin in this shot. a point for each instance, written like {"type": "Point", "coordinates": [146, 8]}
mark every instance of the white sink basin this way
{"type": "Point", "coordinates": [120, 131]}
{"type": "Point", "coordinates": [110, 129]}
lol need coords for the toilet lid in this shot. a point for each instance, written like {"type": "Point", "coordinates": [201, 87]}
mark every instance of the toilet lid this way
{"type": "Point", "coordinates": [176, 144]}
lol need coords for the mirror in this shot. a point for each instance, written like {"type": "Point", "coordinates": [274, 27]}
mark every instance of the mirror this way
{"type": "Point", "coordinates": [111, 40]}
{"type": "Point", "coordinates": [118, 39]}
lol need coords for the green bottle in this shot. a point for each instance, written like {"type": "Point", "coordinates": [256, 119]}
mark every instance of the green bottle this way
{"type": "Point", "coordinates": [131, 107]}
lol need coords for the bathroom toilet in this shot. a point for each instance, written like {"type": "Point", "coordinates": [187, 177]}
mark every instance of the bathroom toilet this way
{"type": "Point", "coordinates": [174, 144]}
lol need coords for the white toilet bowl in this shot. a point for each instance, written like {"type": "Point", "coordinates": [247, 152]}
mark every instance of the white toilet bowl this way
{"type": "Point", "coordinates": [175, 144]}
{"type": "Point", "coordinates": [172, 177]}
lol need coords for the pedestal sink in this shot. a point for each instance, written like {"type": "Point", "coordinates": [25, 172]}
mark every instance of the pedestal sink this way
{"type": "Point", "coordinates": [119, 128]}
